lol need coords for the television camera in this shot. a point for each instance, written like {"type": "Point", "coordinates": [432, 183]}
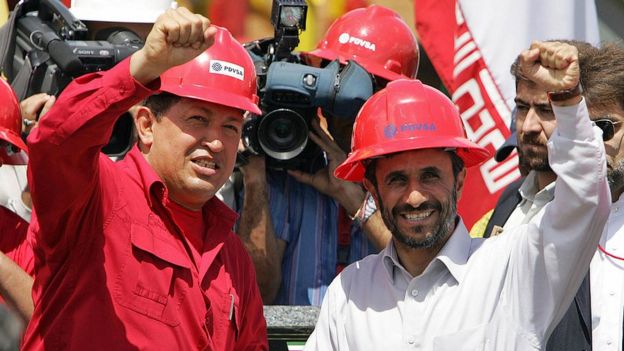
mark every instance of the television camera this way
{"type": "Point", "coordinates": [291, 93]}
{"type": "Point", "coordinates": [47, 47]}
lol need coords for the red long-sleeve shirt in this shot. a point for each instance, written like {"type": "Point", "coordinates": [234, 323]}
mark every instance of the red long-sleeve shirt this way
{"type": "Point", "coordinates": [113, 270]}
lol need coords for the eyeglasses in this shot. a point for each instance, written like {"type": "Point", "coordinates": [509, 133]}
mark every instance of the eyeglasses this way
{"type": "Point", "coordinates": [607, 126]}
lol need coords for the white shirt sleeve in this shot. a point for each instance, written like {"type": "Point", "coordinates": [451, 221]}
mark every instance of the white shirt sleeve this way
{"type": "Point", "coordinates": [548, 261]}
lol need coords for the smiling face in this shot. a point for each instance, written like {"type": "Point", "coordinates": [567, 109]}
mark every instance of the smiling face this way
{"type": "Point", "coordinates": [417, 195]}
{"type": "Point", "coordinates": [192, 147]}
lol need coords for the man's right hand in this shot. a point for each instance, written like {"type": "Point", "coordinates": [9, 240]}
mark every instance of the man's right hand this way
{"type": "Point", "coordinates": [552, 65]}
{"type": "Point", "coordinates": [178, 36]}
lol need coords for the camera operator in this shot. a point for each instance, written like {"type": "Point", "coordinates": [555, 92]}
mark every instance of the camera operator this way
{"type": "Point", "coordinates": [296, 225]}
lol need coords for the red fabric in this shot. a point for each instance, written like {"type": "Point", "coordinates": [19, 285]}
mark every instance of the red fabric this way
{"type": "Point", "coordinates": [191, 224]}
{"type": "Point", "coordinates": [111, 268]}
{"type": "Point", "coordinates": [230, 14]}
{"type": "Point", "coordinates": [436, 23]}
{"type": "Point", "coordinates": [13, 240]}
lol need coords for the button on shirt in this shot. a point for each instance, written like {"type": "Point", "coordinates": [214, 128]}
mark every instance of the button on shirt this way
{"type": "Point", "coordinates": [503, 293]}
{"type": "Point", "coordinates": [111, 268]}
{"type": "Point", "coordinates": [607, 284]}
{"type": "Point", "coordinates": [530, 208]}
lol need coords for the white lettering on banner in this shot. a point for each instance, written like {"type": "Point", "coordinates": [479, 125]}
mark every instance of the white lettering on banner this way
{"type": "Point", "coordinates": [486, 134]}
{"type": "Point", "coordinates": [492, 90]}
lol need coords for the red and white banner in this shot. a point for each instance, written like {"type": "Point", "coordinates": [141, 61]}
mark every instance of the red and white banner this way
{"type": "Point", "coordinates": [472, 44]}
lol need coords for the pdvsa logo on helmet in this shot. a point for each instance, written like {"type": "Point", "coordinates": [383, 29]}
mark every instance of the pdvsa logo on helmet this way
{"type": "Point", "coordinates": [345, 38]}
{"type": "Point", "coordinates": [390, 131]}
{"type": "Point", "coordinates": [227, 69]}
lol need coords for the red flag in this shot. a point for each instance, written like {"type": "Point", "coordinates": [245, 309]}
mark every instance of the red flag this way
{"type": "Point", "coordinates": [472, 44]}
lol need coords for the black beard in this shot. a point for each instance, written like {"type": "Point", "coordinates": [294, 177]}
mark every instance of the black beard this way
{"type": "Point", "coordinates": [615, 177]}
{"type": "Point", "coordinates": [444, 226]}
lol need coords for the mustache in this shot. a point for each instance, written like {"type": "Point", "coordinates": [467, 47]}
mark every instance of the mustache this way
{"type": "Point", "coordinates": [425, 206]}
{"type": "Point", "coordinates": [532, 139]}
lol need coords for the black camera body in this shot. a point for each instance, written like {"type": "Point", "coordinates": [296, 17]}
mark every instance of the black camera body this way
{"type": "Point", "coordinates": [49, 48]}
{"type": "Point", "coordinates": [291, 93]}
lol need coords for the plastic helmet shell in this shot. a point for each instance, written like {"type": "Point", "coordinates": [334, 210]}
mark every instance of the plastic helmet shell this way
{"type": "Point", "coordinates": [375, 37]}
{"type": "Point", "coordinates": [11, 128]}
{"type": "Point", "coordinates": [224, 74]}
{"type": "Point", "coordinates": [407, 115]}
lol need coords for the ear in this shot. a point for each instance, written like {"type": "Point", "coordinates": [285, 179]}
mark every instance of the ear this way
{"type": "Point", "coordinates": [459, 183]}
{"type": "Point", "coordinates": [144, 120]}
{"type": "Point", "coordinates": [371, 189]}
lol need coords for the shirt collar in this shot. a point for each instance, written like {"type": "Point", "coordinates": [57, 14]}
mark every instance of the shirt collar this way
{"type": "Point", "coordinates": [453, 255]}
{"type": "Point", "coordinates": [215, 210]}
{"type": "Point", "coordinates": [529, 192]}
{"type": "Point", "coordinates": [150, 181]}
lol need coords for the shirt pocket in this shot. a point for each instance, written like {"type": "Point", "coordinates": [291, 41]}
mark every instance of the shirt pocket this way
{"type": "Point", "coordinates": [146, 282]}
{"type": "Point", "coordinates": [227, 318]}
{"type": "Point", "coordinates": [473, 339]}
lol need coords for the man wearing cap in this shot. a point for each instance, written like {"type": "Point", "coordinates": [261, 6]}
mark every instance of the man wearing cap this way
{"type": "Point", "coordinates": [433, 287]}
{"type": "Point", "coordinates": [139, 254]}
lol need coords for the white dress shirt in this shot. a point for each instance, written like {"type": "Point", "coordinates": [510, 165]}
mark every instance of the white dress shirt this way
{"type": "Point", "coordinates": [531, 207]}
{"type": "Point", "coordinates": [607, 284]}
{"type": "Point", "coordinates": [12, 182]}
{"type": "Point", "coordinates": [504, 293]}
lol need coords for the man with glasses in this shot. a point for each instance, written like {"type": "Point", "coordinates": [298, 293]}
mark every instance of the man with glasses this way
{"type": "Point", "coordinates": [594, 319]}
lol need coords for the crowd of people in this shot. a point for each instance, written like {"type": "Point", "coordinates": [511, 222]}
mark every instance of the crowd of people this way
{"type": "Point", "coordinates": [170, 247]}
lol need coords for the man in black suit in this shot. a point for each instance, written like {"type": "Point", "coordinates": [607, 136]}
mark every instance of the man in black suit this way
{"type": "Point", "coordinates": [594, 319]}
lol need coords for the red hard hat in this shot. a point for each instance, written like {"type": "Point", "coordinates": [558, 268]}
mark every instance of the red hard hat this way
{"type": "Point", "coordinates": [11, 127]}
{"type": "Point", "coordinates": [407, 115]}
{"type": "Point", "coordinates": [224, 74]}
{"type": "Point", "coordinates": [375, 37]}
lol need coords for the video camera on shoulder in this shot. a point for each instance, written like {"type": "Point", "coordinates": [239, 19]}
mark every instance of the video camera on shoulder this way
{"type": "Point", "coordinates": [47, 47]}
{"type": "Point", "coordinates": [291, 93]}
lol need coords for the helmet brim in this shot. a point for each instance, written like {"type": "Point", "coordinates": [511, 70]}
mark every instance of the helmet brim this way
{"type": "Point", "coordinates": [215, 96]}
{"type": "Point", "coordinates": [18, 158]}
{"type": "Point", "coordinates": [352, 169]}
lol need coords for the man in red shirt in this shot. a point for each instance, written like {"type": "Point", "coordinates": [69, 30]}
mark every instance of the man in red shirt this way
{"type": "Point", "coordinates": [138, 254]}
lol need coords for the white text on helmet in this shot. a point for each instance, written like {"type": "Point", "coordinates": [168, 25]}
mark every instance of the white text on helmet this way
{"type": "Point", "coordinates": [227, 69]}
{"type": "Point", "coordinates": [346, 38]}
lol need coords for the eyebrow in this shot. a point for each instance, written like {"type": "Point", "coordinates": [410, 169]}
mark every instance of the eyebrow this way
{"type": "Point", "coordinates": [432, 169]}
{"type": "Point", "coordinates": [541, 106]}
{"type": "Point", "coordinates": [210, 113]}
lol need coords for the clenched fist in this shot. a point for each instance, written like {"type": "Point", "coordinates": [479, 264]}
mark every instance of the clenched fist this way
{"type": "Point", "coordinates": [178, 36]}
{"type": "Point", "coordinates": [552, 65]}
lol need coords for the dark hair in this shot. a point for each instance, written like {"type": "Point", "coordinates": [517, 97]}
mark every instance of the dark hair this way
{"type": "Point", "coordinates": [160, 103]}
{"type": "Point", "coordinates": [370, 167]}
{"type": "Point", "coordinates": [601, 70]}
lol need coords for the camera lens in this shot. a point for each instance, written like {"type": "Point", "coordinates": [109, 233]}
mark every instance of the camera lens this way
{"type": "Point", "coordinates": [283, 134]}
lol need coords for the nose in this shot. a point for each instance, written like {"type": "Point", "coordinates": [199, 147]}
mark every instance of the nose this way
{"type": "Point", "coordinates": [215, 145]}
{"type": "Point", "coordinates": [416, 196]}
{"type": "Point", "coordinates": [531, 122]}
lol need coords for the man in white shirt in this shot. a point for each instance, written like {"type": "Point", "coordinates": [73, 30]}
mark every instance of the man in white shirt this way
{"type": "Point", "coordinates": [595, 318]}
{"type": "Point", "coordinates": [428, 289]}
